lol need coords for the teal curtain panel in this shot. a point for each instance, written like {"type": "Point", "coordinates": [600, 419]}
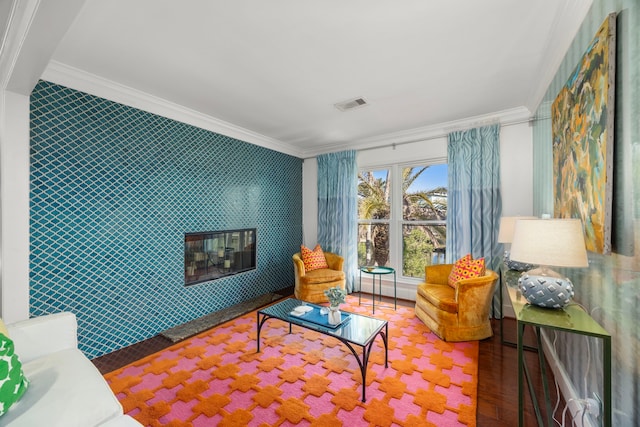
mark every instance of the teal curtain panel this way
{"type": "Point", "coordinates": [475, 204]}
{"type": "Point", "coordinates": [338, 208]}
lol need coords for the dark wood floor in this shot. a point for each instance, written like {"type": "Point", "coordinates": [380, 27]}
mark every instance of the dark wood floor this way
{"type": "Point", "coordinates": [497, 374]}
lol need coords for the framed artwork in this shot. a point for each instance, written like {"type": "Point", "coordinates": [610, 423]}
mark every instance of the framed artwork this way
{"type": "Point", "coordinates": [583, 126]}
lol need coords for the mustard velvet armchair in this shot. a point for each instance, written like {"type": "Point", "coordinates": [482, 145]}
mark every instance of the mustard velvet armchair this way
{"type": "Point", "coordinates": [460, 314]}
{"type": "Point", "coordinates": [310, 285]}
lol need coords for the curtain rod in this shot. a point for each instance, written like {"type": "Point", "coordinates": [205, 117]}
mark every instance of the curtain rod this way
{"type": "Point", "coordinates": [443, 135]}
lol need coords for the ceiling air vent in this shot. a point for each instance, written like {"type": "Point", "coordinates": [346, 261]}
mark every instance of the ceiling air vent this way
{"type": "Point", "coordinates": [351, 104]}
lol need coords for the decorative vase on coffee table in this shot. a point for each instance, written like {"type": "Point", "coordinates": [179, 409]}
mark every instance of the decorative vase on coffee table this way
{"type": "Point", "coordinates": [334, 315]}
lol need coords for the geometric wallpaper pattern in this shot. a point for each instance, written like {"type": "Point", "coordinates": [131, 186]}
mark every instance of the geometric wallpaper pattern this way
{"type": "Point", "coordinates": [113, 189]}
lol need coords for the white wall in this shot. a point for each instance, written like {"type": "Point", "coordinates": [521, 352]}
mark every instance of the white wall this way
{"type": "Point", "coordinates": [14, 199]}
{"type": "Point", "coordinates": [516, 169]}
{"type": "Point", "coordinates": [34, 29]}
{"type": "Point", "coordinates": [310, 202]}
{"type": "Point", "coordinates": [516, 148]}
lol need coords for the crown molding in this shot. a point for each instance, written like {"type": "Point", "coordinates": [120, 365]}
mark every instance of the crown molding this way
{"type": "Point", "coordinates": [74, 78]}
{"type": "Point", "coordinates": [59, 73]}
{"type": "Point", "coordinates": [441, 130]}
{"type": "Point", "coordinates": [15, 30]}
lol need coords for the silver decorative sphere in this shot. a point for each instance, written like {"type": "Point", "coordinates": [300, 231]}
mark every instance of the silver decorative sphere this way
{"type": "Point", "coordinates": [546, 291]}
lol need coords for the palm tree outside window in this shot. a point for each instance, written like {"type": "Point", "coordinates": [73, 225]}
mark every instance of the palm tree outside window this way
{"type": "Point", "coordinates": [415, 224]}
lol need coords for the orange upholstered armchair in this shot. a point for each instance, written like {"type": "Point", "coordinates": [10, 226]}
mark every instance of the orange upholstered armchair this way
{"type": "Point", "coordinates": [310, 285]}
{"type": "Point", "coordinates": [460, 314]}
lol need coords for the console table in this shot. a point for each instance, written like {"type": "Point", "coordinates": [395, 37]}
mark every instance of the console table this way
{"type": "Point", "coordinates": [571, 319]}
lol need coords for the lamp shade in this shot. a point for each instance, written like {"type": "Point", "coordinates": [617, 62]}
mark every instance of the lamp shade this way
{"type": "Point", "coordinates": [552, 242]}
{"type": "Point", "coordinates": [507, 227]}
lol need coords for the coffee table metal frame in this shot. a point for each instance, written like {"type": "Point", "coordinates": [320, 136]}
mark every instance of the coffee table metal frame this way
{"type": "Point", "coordinates": [358, 330]}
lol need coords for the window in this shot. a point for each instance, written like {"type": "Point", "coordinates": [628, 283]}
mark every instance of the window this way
{"type": "Point", "coordinates": [424, 217]}
{"type": "Point", "coordinates": [402, 207]}
{"type": "Point", "coordinates": [374, 213]}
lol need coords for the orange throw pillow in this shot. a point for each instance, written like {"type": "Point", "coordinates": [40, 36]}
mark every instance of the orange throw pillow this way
{"type": "Point", "coordinates": [466, 268]}
{"type": "Point", "coordinates": [313, 259]}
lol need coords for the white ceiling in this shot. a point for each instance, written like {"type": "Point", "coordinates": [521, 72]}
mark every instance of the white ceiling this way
{"type": "Point", "coordinates": [274, 69]}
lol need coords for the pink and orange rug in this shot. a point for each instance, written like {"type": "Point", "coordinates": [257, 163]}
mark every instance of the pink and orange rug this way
{"type": "Point", "coordinates": [305, 378]}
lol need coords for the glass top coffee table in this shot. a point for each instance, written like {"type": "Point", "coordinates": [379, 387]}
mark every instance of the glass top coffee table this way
{"type": "Point", "coordinates": [354, 330]}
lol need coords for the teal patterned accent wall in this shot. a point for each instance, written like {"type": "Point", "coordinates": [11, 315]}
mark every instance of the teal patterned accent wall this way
{"type": "Point", "coordinates": [608, 289]}
{"type": "Point", "coordinates": [114, 189]}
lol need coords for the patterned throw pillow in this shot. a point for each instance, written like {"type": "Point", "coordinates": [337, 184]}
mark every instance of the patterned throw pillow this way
{"type": "Point", "coordinates": [466, 268]}
{"type": "Point", "coordinates": [13, 383]}
{"type": "Point", "coordinates": [313, 259]}
{"type": "Point", "coordinates": [453, 276]}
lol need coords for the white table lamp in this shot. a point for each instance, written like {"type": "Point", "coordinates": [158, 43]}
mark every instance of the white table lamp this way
{"type": "Point", "coordinates": [548, 242]}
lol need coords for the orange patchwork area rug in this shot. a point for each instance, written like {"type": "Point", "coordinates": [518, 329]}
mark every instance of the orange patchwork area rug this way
{"type": "Point", "coordinates": [304, 378]}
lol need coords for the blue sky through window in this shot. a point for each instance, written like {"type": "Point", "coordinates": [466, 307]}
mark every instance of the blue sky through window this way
{"type": "Point", "coordinates": [435, 176]}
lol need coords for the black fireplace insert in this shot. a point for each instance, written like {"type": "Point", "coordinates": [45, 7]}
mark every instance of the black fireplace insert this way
{"type": "Point", "coordinates": [214, 254]}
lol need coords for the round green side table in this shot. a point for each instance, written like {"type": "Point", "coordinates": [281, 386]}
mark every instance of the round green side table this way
{"type": "Point", "coordinates": [378, 271]}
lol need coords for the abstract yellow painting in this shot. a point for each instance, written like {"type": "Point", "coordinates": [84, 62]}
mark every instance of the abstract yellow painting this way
{"type": "Point", "coordinates": [582, 125]}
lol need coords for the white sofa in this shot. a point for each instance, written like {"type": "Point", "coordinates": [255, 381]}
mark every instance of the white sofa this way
{"type": "Point", "coordinates": [65, 388]}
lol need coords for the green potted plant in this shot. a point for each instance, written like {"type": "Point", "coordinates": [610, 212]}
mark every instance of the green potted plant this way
{"type": "Point", "coordinates": [336, 297]}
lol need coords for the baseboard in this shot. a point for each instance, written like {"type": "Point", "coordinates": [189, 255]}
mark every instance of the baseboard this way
{"type": "Point", "coordinates": [567, 389]}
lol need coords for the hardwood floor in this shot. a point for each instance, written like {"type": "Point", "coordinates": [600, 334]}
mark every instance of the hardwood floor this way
{"type": "Point", "coordinates": [498, 381]}
{"type": "Point", "coordinates": [497, 374]}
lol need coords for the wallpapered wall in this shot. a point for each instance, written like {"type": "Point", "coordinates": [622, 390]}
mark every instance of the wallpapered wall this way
{"type": "Point", "coordinates": [609, 288]}
{"type": "Point", "coordinates": [114, 189]}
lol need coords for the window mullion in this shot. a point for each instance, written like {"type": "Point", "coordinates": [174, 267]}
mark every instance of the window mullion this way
{"type": "Point", "coordinates": [396, 219]}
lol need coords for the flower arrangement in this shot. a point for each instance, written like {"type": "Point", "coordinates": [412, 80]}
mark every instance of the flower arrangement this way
{"type": "Point", "coordinates": [336, 296]}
